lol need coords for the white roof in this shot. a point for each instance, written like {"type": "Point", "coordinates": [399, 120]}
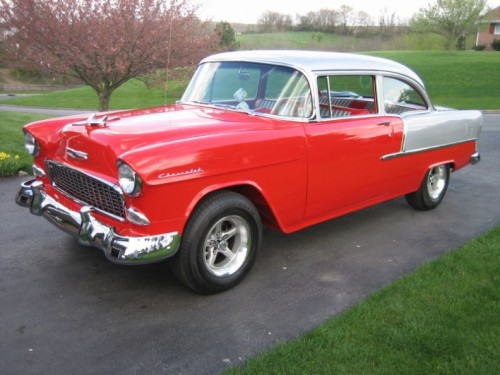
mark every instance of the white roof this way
{"type": "Point", "coordinates": [317, 61]}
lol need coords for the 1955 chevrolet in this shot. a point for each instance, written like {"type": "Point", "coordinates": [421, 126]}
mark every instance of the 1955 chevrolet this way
{"type": "Point", "coordinates": [283, 139]}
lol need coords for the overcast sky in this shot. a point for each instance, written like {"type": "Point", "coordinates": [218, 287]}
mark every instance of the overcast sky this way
{"type": "Point", "coordinates": [248, 11]}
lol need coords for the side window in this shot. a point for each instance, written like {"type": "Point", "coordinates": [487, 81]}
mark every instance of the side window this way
{"type": "Point", "coordinates": [400, 97]}
{"type": "Point", "coordinates": [346, 95]}
{"type": "Point", "coordinates": [286, 93]}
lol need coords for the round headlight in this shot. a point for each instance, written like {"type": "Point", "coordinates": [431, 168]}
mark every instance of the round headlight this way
{"type": "Point", "coordinates": [130, 183]}
{"type": "Point", "coordinates": [31, 144]}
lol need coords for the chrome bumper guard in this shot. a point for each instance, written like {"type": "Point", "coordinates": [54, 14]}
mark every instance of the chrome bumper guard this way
{"type": "Point", "coordinates": [91, 232]}
{"type": "Point", "coordinates": [475, 158]}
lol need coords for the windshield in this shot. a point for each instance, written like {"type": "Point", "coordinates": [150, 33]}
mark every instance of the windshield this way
{"type": "Point", "coordinates": [252, 87]}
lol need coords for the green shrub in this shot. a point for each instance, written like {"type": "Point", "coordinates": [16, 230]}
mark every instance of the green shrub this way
{"type": "Point", "coordinates": [496, 44]}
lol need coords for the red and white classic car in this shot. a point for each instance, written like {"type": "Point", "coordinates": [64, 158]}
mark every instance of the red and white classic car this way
{"type": "Point", "coordinates": [284, 139]}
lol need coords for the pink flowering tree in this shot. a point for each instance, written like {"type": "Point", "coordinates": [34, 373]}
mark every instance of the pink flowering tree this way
{"type": "Point", "coordinates": [104, 43]}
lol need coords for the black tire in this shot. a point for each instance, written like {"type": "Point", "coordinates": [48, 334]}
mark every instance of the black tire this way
{"type": "Point", "coordinates": [432, 190]}
{"type": "Point", "coordinates": [219, 244]}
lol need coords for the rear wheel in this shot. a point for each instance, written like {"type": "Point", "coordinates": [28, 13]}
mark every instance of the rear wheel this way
{"type": "Point", "coordinates": [432, 190]}
{"type": "Point", "coordinates": [219, 244]}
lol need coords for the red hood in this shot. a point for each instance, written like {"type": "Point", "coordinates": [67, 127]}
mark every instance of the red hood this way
{"type": "Point", "coordinates": [133, 130]}
{"type": "Point", "coordinates": [129, 135]}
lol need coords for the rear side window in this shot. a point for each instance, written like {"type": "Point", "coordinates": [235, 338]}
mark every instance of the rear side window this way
{"type": "Point", "coordinates": [400, 97]}
{"type": "Point", "coordinates": [346, 95]}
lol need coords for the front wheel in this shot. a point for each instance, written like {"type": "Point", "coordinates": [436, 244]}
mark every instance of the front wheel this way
{"type": "Point", "coordinates": [432, 190]}
{"type": "Point", "coordinates": [219, 244]}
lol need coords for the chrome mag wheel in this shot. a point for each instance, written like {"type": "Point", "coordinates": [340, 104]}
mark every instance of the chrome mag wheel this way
{"type": "Point", "coordinates": [437, 180]}
{"type": "Point", "coordinates": [226, 246]}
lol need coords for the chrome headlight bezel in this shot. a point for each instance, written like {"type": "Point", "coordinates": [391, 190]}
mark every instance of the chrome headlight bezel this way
{"type": "Point", "coordinates": [31, 144]}
{"type": "Point", "coordinates": [129, 181]}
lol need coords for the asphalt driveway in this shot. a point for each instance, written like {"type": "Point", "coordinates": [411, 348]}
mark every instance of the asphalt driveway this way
{"type": "Point", "coordinates": [64, 309]}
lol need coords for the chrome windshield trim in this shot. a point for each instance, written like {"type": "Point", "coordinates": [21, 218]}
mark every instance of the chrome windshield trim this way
{"type": "Point", "coordinates": [249, 112]}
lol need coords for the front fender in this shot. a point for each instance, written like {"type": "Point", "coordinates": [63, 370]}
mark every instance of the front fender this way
{"type": "Point", "coordinates": [178, 175]}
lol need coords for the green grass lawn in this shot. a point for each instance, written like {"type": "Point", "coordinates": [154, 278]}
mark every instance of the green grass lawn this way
{"type": "Point", "coordinates": [442, 319]}
{"type": "Point", "coordinates": [133, 94]}
{"type": "Point", "coordinates": [337, 42]}
{"type": "Point", "coordinates": [293, 40]}
{"type": "Point", "coordinates": [459, 80]}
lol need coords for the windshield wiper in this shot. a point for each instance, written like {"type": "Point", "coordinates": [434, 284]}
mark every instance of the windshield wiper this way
{"type": "Point", "coordinates": [219, 105]}
{"type": "Point", "coordinates": [197, 102]}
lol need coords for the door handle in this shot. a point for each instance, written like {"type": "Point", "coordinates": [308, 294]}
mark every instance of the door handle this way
{"type": "Point", "coordinates": [385, 123]}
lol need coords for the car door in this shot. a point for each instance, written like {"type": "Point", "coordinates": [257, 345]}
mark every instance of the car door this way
{"type": "Point", "coordinates": [346, 146]}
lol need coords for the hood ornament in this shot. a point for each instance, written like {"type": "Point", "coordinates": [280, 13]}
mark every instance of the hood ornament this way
{"type": "Point", "coordinates": [93, 121]}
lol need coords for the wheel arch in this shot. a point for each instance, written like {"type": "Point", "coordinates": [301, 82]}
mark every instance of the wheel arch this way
{"type": "Point", "coordinates": [431, 190]}
{"type": "Point", "coordinates": [250, 191]}
{"type": "Point", "coordinates": [451, 163]}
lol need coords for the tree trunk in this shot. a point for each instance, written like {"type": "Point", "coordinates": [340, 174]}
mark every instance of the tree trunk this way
{"type": "Point", "coordinates": [104, 97]}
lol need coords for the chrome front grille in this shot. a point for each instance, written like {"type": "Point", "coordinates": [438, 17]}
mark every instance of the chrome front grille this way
{"type": "Point", "coordinates": [87, 189]}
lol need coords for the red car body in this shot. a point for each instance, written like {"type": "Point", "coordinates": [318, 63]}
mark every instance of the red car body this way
{"type": "Point", "coordinates": [295, 168]}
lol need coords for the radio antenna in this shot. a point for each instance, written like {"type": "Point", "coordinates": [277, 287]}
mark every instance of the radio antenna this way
{"type": "Point", "coordinates": [168, 61]}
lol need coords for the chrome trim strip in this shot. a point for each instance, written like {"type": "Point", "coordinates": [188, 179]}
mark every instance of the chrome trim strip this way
{"type": "Point", "coordinates": [91, 232]}
{"type": "Point", "coordinates": [411, 152]}
{"type": "Point", "coordinates": [137, 217]}
{"type": "Point", "coordinates": [37, 171]}
{"type": "Point", "coordinates": [75, 154]}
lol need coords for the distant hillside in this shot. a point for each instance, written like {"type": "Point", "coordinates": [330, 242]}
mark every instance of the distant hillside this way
{"type": "Point", "coordinates": [337, 42]}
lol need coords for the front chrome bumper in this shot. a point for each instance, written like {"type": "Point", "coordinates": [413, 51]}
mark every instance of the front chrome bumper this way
{"type": "Point", "coordinates": [91, 232]}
